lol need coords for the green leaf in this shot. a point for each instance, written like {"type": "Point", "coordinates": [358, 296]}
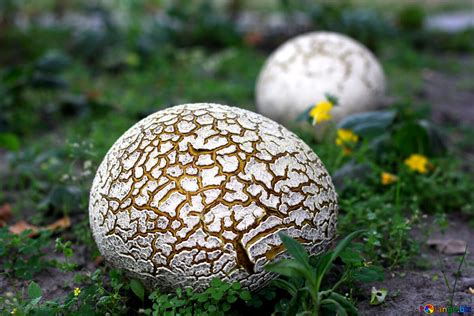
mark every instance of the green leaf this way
{"type": "Point", "coordinates": [53, 62]}
{"type": "Point", "coordinates": [35, 301]}
{"type": "Point", "coordinates": [9, 141]}
{"type": "Point", "coordinates": [217, 295]}
{"type": "Point", "coordinates": [137, 289]}
{"type": "Point", "coordinates": [327, 259]}
{"type": "Point", "coordinates": [215, 282]}
{"type": "Point", "coordinates": [236, 286]}
{"type": "Point", "coordinates": [411, 138]}
{"type": "Point", "coordinates": [345, 242]}
{"type": "Point", "coordinates": [304, 116]}
{"type": "Point", "coordinates": [231, 299]}
{"type": "Point", "coordinates": [202, 297]}
{"type": "Point", "coordinates": [245, 295]}
{"type": "Point", "coordinates": [211, 308]}
{"type": "Point", "coordinates": [285, 285]}
{"type": "Point", "coordinates": [332, 98]}
{"type": "Point", "coordinates": [295, 249]}
{"type": "Point", "coordinates": [340, 309]}
{"type": "Point", "coordinates": [287, 267]}
{"type": "Point", "coordinates": [369, 274]}
{"type": "Point", "coordinates": [370, 130]}
{"type": "Point", "coordinates": [226, 307]}
{"type": "Point", "coordinates": [378, 296]}
{"type": "Point", "coordinates": [437, 143]}
{"type": "Point", "coordinates": [367, 121]}
{"type": "Point", "coordinates": [295, 304]}
{"type": "Point", "coordinates": [345, 303]}
{"type": "Point", "coordinates": [34, 290]}
{"type": "Point", "coordinates": [323, 263]}
{"type": "Point", "coordinates": [368, 124]}
{"type": "Point", "coordinates": [350, 256]}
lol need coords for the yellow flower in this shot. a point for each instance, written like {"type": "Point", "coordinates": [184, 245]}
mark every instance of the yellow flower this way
{"type": "Point", "coordinates": [387, 178]}
{"type": "Point", "coordinates": [417, 162]}
{"type": "Point", "coordinates": [77, 291]}
{"type": "Point", "coordinates": [320, 112]}
{"type": "Point", "coordinates": [346, 136]}
{"type": "Point", "coordinates": [13, 311]}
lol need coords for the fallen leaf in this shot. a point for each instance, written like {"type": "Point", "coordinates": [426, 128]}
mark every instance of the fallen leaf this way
{"type": "Point", "coordinates": [378, 296]}
{"type": "Point", "coordinates": [448, 246]}
{"type": "Point", "coordinates": [5, 212]}
{"type": "Point", "coordinates": [98, 260]}
{"type": "Point", "coordinates": [471, 290]}
{"type": "Point", "coordinates": [21, 226]}
{"type": "Point", "coordinates": [64, 223]}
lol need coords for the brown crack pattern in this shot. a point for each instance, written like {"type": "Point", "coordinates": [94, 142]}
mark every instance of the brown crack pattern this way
{"type": "Point", "coordinates": [201, 190]}
{"type": "Point", "coordinates": [304, 69]}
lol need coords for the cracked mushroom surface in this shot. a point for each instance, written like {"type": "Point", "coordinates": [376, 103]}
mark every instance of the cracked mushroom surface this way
{"type": "Point", "coordinates": [299, 74]}
{"type": "Point", "coordinates": [198, 191]}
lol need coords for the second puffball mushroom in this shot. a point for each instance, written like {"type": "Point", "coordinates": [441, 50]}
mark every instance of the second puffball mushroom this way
{"type": "Point", "coordinates": [303, 70]}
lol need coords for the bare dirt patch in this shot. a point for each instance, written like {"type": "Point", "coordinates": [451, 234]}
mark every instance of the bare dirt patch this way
{"type": "Point", "coordinates": [409, 289]}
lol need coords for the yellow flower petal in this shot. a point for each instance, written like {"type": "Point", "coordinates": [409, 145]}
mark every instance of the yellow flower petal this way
{"type": "Point", "coordinates": [418, 163]}
{"type": "Point", "coordinates": [387, 178]}
{"type": "Point", "coordinates": [77, 291]}
{"type": "Point", "coordinates": [320, 112]}
{"type": "Point", "coordinates": [346, 137]}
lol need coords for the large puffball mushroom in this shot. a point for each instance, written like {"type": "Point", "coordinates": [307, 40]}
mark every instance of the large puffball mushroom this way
{"type": "Point", "coordinates": [302, 71]}
{"type": "Point", "coordinates": [199, 191]}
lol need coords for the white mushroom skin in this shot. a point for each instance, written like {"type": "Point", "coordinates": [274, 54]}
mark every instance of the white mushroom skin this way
{"type": "Point", "coordinates": [299, 74]}
{"type": "Point", "coordinates": [199, 191]}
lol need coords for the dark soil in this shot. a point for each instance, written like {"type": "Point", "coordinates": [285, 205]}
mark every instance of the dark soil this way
{"type": "Point", "coordinates": [409, 289]}
{"type": "Point", "coordinates": [451, 99]}
{"type": "Point", "coordinates": [451, 95]}
{"type": "Point", "coordinates": [55, 284]}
